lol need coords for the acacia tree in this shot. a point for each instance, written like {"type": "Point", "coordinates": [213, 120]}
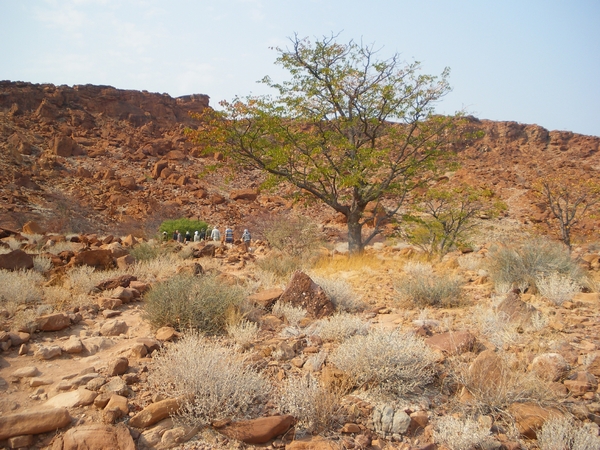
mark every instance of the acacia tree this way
{"type": "Point", "coordinates": [348, 128]}
{"type": "Point", "coordinates": [569, 199]}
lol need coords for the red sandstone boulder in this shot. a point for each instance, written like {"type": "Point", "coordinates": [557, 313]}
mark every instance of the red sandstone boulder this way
{"type": "Point", "coordinates": [155, 412]}
{"type": "Point", "coordinates": [452, 343]}
{"type": "Point", "coordinates": [33, 422]}
{"type": "Point", "coordinates": [305, 293]}
{"type": "Point", "coordinates": [95, 437]}
{"type": "Point", "coordinates": [53, 322]}
{"type": "Point", "coordinates": [65, 146]}
{"type": "Point", "coordinates": [101, 259]}
{"type": "Point", "coordinates": [244, 194]}
{"type": "Point", "coordinates": [16, 260]}
{"type": "Point", "coordinates": [258, 431]}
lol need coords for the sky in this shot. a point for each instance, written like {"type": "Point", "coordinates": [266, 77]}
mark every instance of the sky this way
{"type": "Point", "coordinates": [529, 61]}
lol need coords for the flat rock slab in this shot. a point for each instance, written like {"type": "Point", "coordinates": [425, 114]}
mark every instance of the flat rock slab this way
{"type": "Point", "coordinates": [95, 437]}
{"type": "Point", "coordinates": [80, 397]}
{"type": "Point", "coordinates": [266, 298]}
{"type": "Point", "coordinates": [33, 422]}
{"type": "Point", "coordinates": [258, 431]}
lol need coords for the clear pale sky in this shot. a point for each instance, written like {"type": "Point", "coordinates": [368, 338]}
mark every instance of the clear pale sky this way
{"type": "Point", "coordinates": [530, 61]}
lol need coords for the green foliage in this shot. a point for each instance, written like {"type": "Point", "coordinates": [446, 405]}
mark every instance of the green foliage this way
{"type": "Point", "coordinates": [347, 128]}
{"type": "Point", "coordinates": [182, 225]}
{"type": "Point", "coordinates": [145, 251]}
{"type": "Point", "coordinates": [522, 265]}
{"type": "Point", "coordinates": [183, 302]}
{"type": "Point", "coordinates": [442, 218]}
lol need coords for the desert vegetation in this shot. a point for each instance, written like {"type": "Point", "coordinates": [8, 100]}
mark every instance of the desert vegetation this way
{"type": "Point", "coordinates": [382, 303]}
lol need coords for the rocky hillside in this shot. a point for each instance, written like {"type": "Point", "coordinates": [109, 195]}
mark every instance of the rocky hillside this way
{"type": "Point", "coordinates": [95, 158]}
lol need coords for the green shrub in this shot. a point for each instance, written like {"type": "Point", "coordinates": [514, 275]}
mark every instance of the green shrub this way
{"type": "Point", "coordinates": [214, 381]}
{"type": "Point", "coordinates": [184, 301]}
{"type": "Point", "coordinates": [182, 225]}
{"type": "Point", "coordinates": [145, 251]}
{"type": "Point", "coordinates": [521, 265]}
{"type": "Point", "coordinates": [388, 363]}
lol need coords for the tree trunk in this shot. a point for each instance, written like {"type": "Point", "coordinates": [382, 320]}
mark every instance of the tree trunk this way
{"type": "Point", "coordinates": [355, 243]}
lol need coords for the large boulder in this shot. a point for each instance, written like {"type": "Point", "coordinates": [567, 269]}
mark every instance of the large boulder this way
{"type": "Point", "coordinates": [452, 342]}
{"type": "Point", "coordinates": [530, 418]}
{"type": "Point", "coordinates": [65, 146]}
{"type": "Point", "coordinates": [16, 260]}
{"type": "Point", "coordinates": [516, 310]}
{"type": "Point", "coordinates": [244, 194]}
{"type": "Point", "coordinates": [33, 422]}
{"type": "Point", "coordinates": [53, 322]}
{"type": "Point", "coordinates": [114, 328]}
{"type": "Point", "coordinates": [72, 399]}
{"type": "Point", "coordinates": [101, 259]}
{"type": "Point", "coordinates": [258, 431]}
{"type": "Point", "coordinates": [305, 293]}
{"type": "Point", "coordinates": [95, 437]}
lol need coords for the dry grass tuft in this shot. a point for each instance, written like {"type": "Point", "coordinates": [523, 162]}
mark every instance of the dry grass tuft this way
{"type": "Point", "coordinates": [339, 327]}
{"type": "Point", "coordinates": [521, 265]}
{"type": "Point", "coordinates": [315, 407]}
{"type": "Point", "coordinates": [19, 288]}
{"type": "Point", "coordinates": [557, 288]}
{"type": "Point", "coordinates": [387, 363]}
{"type": "Point", "coordinates": [341, 294]}
{"type": "Point", "coordinates": [243, 333]}
{"type": "Point", "coordinates": [425, 288]}
{"type": "Point", "coordinates": [214, 380]}
{"type": "Point", "coordinates": [563, 434]}
{"type": "Point", "coordinates": [494, 381]}
{"type": "Point", "coordinates": [292, 314]}
{"type": "Point", "coordinates": [461, 434]}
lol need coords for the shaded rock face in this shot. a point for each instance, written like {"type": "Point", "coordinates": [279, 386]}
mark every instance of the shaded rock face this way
{"type": "Point", "coordinates": [305, 293]}
{"type": "Point", "coordinates": [16, 260]}
{"type": "Point", "coordinates": [101, 259]}
{"type": "Point", "coordinates": [517, 310]}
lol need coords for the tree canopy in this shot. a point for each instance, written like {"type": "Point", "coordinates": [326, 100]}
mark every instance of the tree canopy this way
{"type": "Point", "coordinates": [357, 132]}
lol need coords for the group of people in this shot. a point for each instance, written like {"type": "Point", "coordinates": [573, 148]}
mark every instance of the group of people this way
{"type": "Point", "coordinates": [213, 234]}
